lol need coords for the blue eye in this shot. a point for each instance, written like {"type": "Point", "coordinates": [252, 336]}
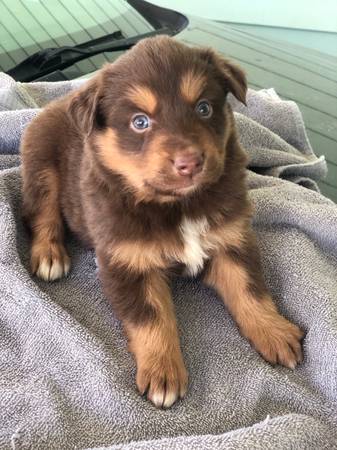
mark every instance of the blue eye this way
{"type": "Point", "coordinates": [204, 109]}
{"type": "Point", "coordinates": [140, 122]}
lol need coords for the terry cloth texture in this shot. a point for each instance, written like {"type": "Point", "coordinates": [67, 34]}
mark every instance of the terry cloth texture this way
{"type": "Point", "coordinates": [66, 378]}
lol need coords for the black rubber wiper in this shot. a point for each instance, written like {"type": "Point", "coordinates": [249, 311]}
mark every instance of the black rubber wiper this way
{"type": "Point", "coordinates": [51, 59]}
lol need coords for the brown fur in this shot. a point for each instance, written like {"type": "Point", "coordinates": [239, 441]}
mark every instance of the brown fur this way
{"type": "Point", "coordinates": [271, 334]}
{"type": "Point", "coordinates": [161, 369]}
{"type": "Point", "coordinates": [118, 161]}
{"type": "Point", "coordinates": [154, 253]}
{"type": "Point", "coordinates": [118, 189]}
{"type": "Point", "coordinates": [191, 86]}
{"type": "Point", "coordinates": [143, 98]}
{"type": "Point", "coordinates": [49, 258]}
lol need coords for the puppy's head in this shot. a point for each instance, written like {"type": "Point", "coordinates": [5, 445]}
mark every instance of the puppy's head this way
{"type": "Point", "coordinates": [158, 117]}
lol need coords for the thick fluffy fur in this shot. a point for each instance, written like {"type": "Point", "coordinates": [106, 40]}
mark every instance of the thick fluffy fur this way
{"type": "Point", "coordinates": [121, 191]}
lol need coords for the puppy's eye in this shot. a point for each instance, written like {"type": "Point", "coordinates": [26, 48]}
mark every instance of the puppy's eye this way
{"type": "Point", "coordinates": [204, 109]}
{"type": "Point", "coordinates": [140, 122]}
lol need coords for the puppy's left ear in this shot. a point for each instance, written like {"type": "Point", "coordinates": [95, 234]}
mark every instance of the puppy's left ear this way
{"type": "Point", "coordinates": [234, 78]}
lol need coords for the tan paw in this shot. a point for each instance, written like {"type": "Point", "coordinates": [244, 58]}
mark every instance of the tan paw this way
{"type": "Point", "coordinates": [279, 342]}
{"type": "Point", "coordinates": [164, 380]}
{"type": "Point", "coordinates": [49, 261]}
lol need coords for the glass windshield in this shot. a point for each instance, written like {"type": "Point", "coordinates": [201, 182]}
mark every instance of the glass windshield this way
{"type": "Point", "coordinates": [28, 26]}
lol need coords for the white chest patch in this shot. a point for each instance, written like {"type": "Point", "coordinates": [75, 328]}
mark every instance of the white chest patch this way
{"type": "Point", "coordinates": [195, 247]}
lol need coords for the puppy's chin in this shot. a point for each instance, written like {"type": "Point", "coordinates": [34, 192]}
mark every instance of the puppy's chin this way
{"type": "Point", "coordinates": [175, 192]}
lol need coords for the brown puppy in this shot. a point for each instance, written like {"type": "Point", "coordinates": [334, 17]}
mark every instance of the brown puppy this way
{"type": "Point", "coordinates": [144, 164]}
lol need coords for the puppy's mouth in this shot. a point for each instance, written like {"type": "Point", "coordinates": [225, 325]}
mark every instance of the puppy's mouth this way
{"type": "Point", "coordinates": [179, 191]}
{"type": "Point", "coordinates": [173, 187]}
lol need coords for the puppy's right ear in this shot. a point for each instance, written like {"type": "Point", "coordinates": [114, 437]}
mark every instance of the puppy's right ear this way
{"type": "Point", "coordinates": [84, 105]}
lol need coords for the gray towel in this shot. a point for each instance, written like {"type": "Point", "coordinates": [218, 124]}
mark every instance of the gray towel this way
{"type": "Point", "coordinates": [67, 380]}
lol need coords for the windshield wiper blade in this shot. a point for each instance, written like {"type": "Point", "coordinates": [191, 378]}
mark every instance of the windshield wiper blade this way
{"type": "Point", "coordinates": [48, 60]}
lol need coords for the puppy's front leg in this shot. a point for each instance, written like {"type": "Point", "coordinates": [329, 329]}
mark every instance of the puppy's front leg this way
{"type": "Point", "coordinates": [144, 304]}
{"type": "Point", "coordinates": [236, 274]}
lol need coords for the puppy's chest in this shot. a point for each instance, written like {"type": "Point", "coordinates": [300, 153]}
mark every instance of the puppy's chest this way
{"type": "Point", "coordinates": [196, 244]}
{"type": "Point", "coordinates": [191, 243]}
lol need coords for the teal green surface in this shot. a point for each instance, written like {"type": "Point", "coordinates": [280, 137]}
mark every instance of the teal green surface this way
{"type": "Point", "coordinates": [314, 15]}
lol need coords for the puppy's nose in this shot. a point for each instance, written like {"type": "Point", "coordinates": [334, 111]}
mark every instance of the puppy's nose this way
{"type": "Point", "coordinates": [189, 165]}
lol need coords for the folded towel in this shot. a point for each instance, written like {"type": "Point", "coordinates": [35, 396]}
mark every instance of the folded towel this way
{"type": "Point", "coordinates": [67, 380]}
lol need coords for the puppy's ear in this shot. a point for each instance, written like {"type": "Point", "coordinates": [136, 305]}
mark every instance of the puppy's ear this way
{"type": "Point", "coordinates": [84, 107]}
{"type": "Point", "coordinates": [233, 77]}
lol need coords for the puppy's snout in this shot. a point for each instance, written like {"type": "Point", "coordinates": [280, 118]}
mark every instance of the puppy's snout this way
{"type": "Point", "coordinates": [189, 165]}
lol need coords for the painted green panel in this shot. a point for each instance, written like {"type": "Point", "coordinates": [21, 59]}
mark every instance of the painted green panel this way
{"type": "Point", "coordinates": [328, 191]}
{"type": "Point", "coordinates": [293, 54]}
{"type": "Point", "coordinates": [28, 21]}
{"type": "Point", "coordinates": [15, 29]}
{"type": "Point", "coordinates": [303, 14]}
{"type": "Point", "coordinates": [300, 85]}
{"type": "Point", "coordinates": [323, 146]}
{"type": "Point", "coordinates": [8, 42]}
{"type": "Point", "coordinates": [323, 42]}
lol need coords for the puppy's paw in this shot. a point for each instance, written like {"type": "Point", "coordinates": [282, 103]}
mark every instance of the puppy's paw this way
{"type": "Point", "coordinates": [164, 379]}
{"type": "Point", "coordinates": [49, 261]}
{"type": "Point", "coordinates": [279, 342]}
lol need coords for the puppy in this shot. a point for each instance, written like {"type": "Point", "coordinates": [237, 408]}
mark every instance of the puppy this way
{"type": "Point", "coordinates": [143, 163]}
